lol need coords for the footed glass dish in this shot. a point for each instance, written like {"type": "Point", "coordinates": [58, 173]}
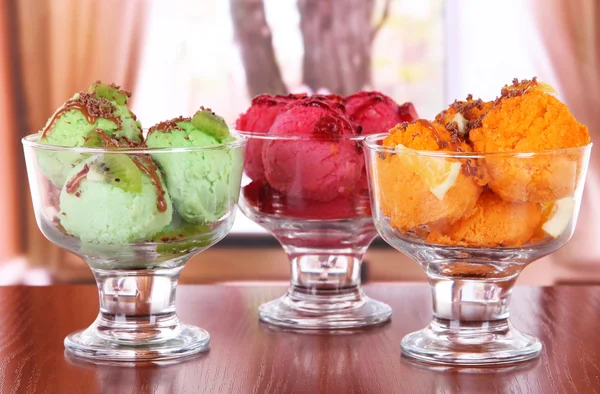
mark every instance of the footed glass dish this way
{"type": "Point", "coordinates": [136, 229]}
{"type": "Point", "coordinates": [473, 237]}
{"type": "Point", "coordinates": [312, 195]}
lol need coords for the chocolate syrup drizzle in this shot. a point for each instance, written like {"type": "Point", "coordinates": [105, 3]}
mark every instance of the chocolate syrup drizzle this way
{"type": "Point", "coordinates": [147, 166]}
{"type": "Point", "coordinates": [90, 105]}
{"type": "Point", "coordinates": [453, 144]}
{"type": "Point", "coordinates": [143, 162]}
{"type": "Point", "coordinates": [75, 182]}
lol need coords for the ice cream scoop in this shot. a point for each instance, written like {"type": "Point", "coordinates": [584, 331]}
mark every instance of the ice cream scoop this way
{"type": "Point", "coordinates": [103, 107]}
{"type": "Point", "coordinates": [327, 162]}
{"type": "Point", "coordinates": [200, 183]}
{"type": "Point", "coordinates": [377, 113]}
{"type": "Point", "coordinates": [115, 199]}
{"type": "Point", "coordinates": [258, 119]}
{"type": "Point", "coordinates": [416, 190]}
{"type": "Point", "coordinates": [527, 117]}
{"type": "Point", "coordinates": [494, 222]}
{"type": "Point", "coordinates": [130, 125]}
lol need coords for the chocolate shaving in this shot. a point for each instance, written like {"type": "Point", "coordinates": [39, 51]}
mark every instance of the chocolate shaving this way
{"type": "Point", "coordinates": [467, 110]}
{"type": "Point", "coordinates": [169, 125]}
{"type": "Point", "coordinates": [518, 88]}
{"type": "Point", "coordinates": [98, 107]}
{"type": "Point", "coordinates": [452, 127]}
{"type": "Point", "coordinates": [474, 124]}
{"type": "Point", "coordinates": [456, 140]}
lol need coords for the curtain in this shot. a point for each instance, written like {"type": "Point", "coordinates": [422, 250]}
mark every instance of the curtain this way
{"type": "Point", "coordinates": [61, 47]}
{"type": "Point", "coordinates": [570, 33]}
{"type": "Point", "coordinates": [9, 159]}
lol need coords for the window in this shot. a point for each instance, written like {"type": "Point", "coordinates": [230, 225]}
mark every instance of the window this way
{"type": "Point", "coordinates": [425, 51]}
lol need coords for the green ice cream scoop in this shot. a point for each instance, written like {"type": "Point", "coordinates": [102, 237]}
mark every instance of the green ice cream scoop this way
{"type": "Point", "coordinates": [115, 199]}
{"type": "Point", "coordinates": [103, 107]}
{"type": "Point", "coordinates": [202, 184]}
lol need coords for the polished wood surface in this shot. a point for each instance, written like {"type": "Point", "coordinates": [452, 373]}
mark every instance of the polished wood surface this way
{"type": "Point", "coordinates": [249, 357]}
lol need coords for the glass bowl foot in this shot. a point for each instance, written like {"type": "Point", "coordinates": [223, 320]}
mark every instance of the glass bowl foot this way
{"type": "Point", "coordinates": [478, 346]}
{"type": "Point", "coordinates": [323, 311]}
{"type": "Point", "coordinates": [89, 344]}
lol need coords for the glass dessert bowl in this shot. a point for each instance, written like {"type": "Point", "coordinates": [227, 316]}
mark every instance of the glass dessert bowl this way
{"type": "Point", "coordinates": [459, 216]}
{"type": "Point", "coordinates": [324, 238]}
{"type": "Point", "coordinates": [305, 182]}
{"type": "Point", "coordinates": [136, 214]}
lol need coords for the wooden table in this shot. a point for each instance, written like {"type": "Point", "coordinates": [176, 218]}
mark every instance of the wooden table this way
{"type": "Point", "coordinates": [249, 357]}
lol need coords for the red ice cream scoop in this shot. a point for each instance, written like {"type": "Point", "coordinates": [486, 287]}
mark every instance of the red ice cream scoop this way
{"type": "Point", "coordinates": [314, 158]}
{"type": "Point", "coordinates": [378, 113]}
{"type": "Point", "coordinates": [258, 119]}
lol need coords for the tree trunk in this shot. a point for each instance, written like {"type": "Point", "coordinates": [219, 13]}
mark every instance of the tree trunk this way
{"type": "Point", "coordinates": [254, 37]}
{"type": "Point", "coordinates": [337, 39]}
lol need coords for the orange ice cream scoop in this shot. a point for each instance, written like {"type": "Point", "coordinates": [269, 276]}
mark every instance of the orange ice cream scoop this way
{"type": "Point", "coordinates": [528, 119]}
{"type": "Point", "coordinates": [493, 223]}
{"type": "Point", "coordinates": [415, 188]}
{"type": "Point", "coordinates": [408, 200]}
{"type": "Point", "coordinates": [425, 135]}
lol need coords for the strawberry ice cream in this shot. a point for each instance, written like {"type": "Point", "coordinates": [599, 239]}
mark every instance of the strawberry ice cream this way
{"type": "Point", "coordinates": [270, 201]}
{"type": "Point", "coordinates": [307, 167]}
{"type": "Point", "coordinates": [258, 119]}
{"type": "Point", "coordinates": [377, 113]}
{"type": "Point", "coordinates": [321, 164]}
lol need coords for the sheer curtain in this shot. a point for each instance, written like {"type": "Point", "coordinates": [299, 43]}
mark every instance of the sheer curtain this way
{"type": "Point", "coordinates": [570, 32]}
{"type": "Point", "coordinates": [60, 47]}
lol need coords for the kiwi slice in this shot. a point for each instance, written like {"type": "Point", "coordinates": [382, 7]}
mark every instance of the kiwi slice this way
{"type": "Point", "coordinates": [117, 170]}
{"type": "Point", "coordinates": [93, 139]}
{"type": "Point", "coordinates": [182, 239]}
{"type": "Point", "coordinates": [181, 232]}
{"type": "Point", "coordinates": [109, 92]}
{"type": "Point", "coordinates": [207, 121]}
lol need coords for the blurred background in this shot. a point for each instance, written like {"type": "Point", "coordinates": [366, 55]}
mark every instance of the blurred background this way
{"type": "Point", "coordinates": [179, 54]}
